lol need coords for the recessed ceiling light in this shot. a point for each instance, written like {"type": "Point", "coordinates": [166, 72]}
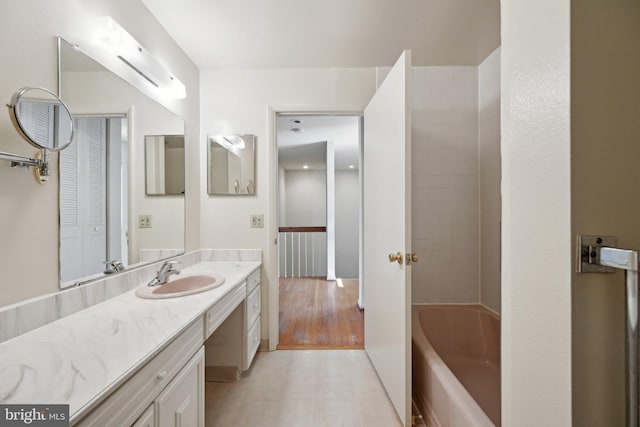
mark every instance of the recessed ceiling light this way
{"type": "Point", "coordinates": [297, 130]}
{"type": "Point", "coordinates": [305, 166]}
{"type": "Point", "coordinates": [296, 121]}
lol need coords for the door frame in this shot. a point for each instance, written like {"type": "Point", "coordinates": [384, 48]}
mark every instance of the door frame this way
{"type": "Point", "coordinates": [271, 254]}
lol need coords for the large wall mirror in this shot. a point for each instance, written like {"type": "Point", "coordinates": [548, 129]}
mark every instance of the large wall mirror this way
{"type": "Point", "coordinates": [231, 165]}
{"type": "Point", "coordinates": [107, 219]}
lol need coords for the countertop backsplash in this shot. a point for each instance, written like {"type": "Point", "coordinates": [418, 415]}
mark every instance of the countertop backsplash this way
{"type": "Point", "coordinates": [17, 319]}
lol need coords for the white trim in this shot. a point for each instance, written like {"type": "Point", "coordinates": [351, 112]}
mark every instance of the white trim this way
{"type": "Point", "coordinates": [271, 254]}
{"type": "Point", "coordinates": [331, 212]}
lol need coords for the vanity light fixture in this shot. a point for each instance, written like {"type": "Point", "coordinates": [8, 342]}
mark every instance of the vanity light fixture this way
{"type": "Point", "coordinates": [305, 166]}
{"type": "Point", "coordinates": [129, 51]}
{"type": "Point", "coordinates": [235, 141]}
{"type": "Point", "coordinates": [352, 166]}
{"type": "Point", "coordinates": [232, 143]}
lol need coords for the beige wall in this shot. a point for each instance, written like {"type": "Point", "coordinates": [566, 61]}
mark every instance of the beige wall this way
{"type": "Point", "coordinates": [489, 179]}
{"type": "Point", "coordinates": [605, 165]}
{"type": "Point", "coordinates": [238, 101]}
{"type": "Point", "coordinates": [306, 198]}
{"type": "Point", "coordinates": [28, 29]}
{"type": "Point", "coordinates": [536, 214]}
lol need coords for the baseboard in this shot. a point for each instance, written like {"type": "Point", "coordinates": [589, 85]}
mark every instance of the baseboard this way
{"type": "Point", "coordinates": [224, 374]}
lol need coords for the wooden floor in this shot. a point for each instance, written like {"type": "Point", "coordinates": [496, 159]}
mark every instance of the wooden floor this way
{"type": "Point", "coordinates": [316, 313]}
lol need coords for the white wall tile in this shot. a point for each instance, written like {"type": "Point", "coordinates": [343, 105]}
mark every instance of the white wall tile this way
{"type": "Point", "coordinates": [445, 185]}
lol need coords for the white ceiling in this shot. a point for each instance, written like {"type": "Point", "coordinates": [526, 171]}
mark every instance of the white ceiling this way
{"type": "Point", "coordinates": [330, 33]}
{"type": "Point", "coordinates": [295, 149]}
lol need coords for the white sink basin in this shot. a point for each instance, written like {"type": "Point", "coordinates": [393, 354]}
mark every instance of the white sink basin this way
{"type": "Point", "coordinates": [181, 285]}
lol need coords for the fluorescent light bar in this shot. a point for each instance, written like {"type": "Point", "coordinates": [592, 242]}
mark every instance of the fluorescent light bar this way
{"type": "Point", "coordinates": [235, 140]}
{"type": "Point", "coordinates": [232, 143]}
{"type": "Point", "coordinates": [128, 50]}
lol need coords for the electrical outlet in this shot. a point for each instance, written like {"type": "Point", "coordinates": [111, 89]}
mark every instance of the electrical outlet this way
{"type": "Point", "coordinates": [144, 221]}
{"type": "Point", "coordinates": [257, 221]}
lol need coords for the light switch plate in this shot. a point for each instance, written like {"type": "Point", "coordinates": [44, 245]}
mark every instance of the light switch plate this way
{"type": "Point", "coordinates": [257, 221]}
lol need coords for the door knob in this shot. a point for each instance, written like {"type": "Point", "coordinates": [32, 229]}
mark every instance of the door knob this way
{"type": "Point", "coordinates": [413, 257]}
{"type": "Point", "coordinates": [397, 257]}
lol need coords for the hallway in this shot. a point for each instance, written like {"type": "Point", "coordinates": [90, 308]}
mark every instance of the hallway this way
{"type": "Point", "coordinates": [316, 313]}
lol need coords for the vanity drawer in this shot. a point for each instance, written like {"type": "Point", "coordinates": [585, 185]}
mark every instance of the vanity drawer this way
{"type": "Point", "coordinates": [126, 403]}
{"type": "Point", "coordinates": [147, 419]}
{"type": "Point", "coordinates": [251, 344]}
{"type": "Point", "coordinates": [252, 308]}
{"type": "Point", "coordinates": [253, 280]}
{"type": "Point", "coordinates": [223, 308]}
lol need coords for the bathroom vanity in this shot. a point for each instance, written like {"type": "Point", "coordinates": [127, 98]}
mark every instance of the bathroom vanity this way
{"type": "Point", "coordinates": [134, 361]}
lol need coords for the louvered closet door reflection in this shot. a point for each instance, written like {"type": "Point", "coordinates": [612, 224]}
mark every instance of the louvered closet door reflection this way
{"type": "Point", "coordinates": [83, 201]}
{"type": "Point", "coordinates": [38, 120]}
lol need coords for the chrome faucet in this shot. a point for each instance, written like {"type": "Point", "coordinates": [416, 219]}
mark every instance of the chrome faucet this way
{"type": "Point", "coordinates": [166, 270]}
{"type": "Point", "coordinates": [114, 266]}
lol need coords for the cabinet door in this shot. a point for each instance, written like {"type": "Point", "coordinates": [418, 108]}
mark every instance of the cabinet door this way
{"type": "Point", "coordinates": [146, 419]}
{"type": "Point", "coordinates": [181, 404]}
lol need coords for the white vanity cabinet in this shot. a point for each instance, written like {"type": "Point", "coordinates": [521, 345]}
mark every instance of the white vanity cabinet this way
{"type": "Point", "coordinates": [251, 321]}
{"type": "Point", "coordinates": [181, 404]}
{"type": "Point", "coordinates": [147, 419]}
{"type": "Point", "coordinates": [129, 361]}
{"type": "Point", "coordinates": [235, 342]}
{"type": "Point", "coordinates": [129, 404]}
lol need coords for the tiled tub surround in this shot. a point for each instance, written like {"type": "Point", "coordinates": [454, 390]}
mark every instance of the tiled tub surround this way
{"type": "Point", "coordinates": [456, 365]}
{"type": "Point", "coordinates": [25, 316]}
{"type": "Point", "coordinates": [81, 358]}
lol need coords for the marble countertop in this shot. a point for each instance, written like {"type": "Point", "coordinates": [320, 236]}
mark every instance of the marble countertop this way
{"type": "Point", "coordinates": [81, 358]}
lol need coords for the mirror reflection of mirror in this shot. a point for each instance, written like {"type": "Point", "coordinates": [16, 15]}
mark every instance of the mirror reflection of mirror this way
{"type": "Point", "coordinates": [164, 165]}
{"type": "Point", "coordinates": [231, 165]}
{"type": "Point", "coordinates": [42, 118]}
{"type": "Point", "coordinates": [107, 222]}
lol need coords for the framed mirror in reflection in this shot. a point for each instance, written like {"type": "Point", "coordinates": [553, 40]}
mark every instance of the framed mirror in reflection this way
{"type": "Point", "coordinates": [231, 165]}
{"type": "Point", "coordinates": [164, 165]}
{"type": "Point", "coordinates": [107, 221]}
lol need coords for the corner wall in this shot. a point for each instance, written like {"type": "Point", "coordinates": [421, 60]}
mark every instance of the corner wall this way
{"type": "Point", "coordinates": [536, 214]}
{"type": "Point", "coordinates": [347, 229]}
{"type": "Point", "coordinates": [489, 179]}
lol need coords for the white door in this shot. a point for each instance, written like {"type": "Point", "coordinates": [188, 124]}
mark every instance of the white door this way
{"type": "Point", "coordinates": [83, 238]}
{"type": "Point", "coordinates": [387, 230]}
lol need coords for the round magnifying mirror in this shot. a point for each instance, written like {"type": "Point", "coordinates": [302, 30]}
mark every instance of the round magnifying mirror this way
{"type": "Point", "coordinates": [42, 119]}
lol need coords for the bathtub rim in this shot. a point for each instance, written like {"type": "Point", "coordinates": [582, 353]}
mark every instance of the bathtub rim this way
{"type": "Point", "coordinates": [457, 394]}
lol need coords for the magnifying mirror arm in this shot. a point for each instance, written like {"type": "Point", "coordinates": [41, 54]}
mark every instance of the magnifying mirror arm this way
{"type": "Point", "coordinates": [41, 163]}
{"type": "Point", "coordinates": [19, 161]}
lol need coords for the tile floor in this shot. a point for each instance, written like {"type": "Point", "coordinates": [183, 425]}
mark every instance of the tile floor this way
{"type": "Point", "coordinates": [302, 388]}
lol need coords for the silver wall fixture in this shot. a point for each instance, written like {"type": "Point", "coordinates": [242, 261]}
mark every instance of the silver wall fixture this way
{"type": "Point", "coordinates": [45, 122]}
{"type": "Point", "coordinates": [597, 254]}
